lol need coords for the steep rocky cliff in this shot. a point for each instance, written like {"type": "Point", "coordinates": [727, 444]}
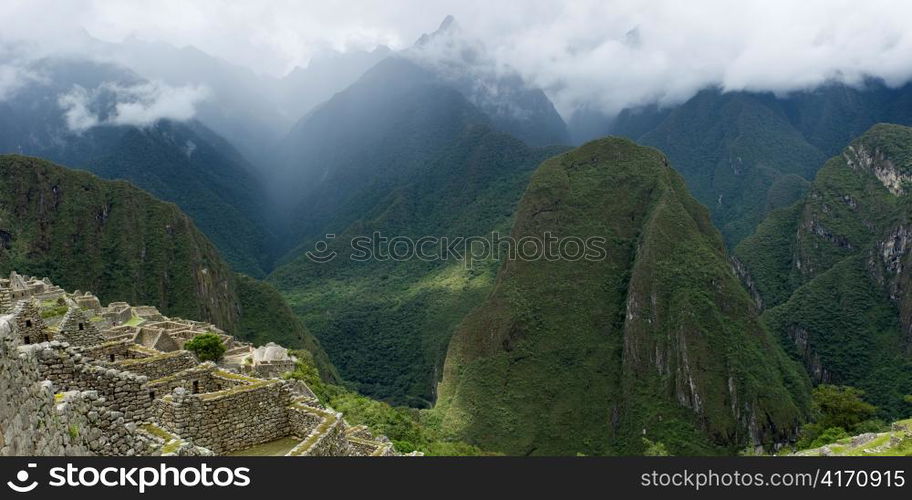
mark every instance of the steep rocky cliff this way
{"type": "Point", "coordinates": [655, 340]}
{"type": "Point", "coordinates": [832, 269]}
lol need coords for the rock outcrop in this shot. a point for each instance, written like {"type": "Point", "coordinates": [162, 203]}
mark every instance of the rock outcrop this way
{"type": "Point", "coordinates": [833, 270]}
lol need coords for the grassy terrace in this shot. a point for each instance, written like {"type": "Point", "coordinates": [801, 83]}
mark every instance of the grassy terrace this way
{"type": "Point", "coordinates": [209, 396]}
{"type": "Point", "coordinates": [236, 377]}
{"type": "Point", "coordinates": [143, 349]}
{"type": "Point", "coordinates": [178, 375]}
{"type": "Point", "coordinates": [891, 443]}
{"type": "Point", "coordinates": [279, 447]}
{"type": "Point", "coordinates": [135, 321]}
{"type": "Point", "coordinates": [51, 309]}
{"type": "Point", "coordinates": [171, 443]}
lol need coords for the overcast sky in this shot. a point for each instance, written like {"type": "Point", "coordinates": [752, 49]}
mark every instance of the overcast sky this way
{"type": "Point", "coordinates": [607, 53]}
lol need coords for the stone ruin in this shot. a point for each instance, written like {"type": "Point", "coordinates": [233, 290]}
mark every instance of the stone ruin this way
{"type": "Point", "coordinates": [114, 381]}
{"type": "Point", "coordinates": [77, 329]}
{"type": "Point", "coordinates": [270, 360]}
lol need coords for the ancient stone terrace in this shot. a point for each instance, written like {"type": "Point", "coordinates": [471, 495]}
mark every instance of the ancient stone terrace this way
{"type": "Point", "coordinates": [18, 287]}
{"type": "Point", "coordinates": [115, 381]}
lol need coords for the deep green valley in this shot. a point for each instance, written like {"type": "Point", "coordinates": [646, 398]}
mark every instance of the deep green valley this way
{"type": "Point", "coordinates": [749, 292]}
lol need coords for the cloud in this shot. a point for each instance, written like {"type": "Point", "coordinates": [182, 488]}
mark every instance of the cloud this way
{"type": "Point", "coordinates": [612, 55]}
{"type": "Point", "coordinates": [75, 105]}
{"type": "Point", "coordinates": [14, 77]}
{"type": "Point", "coordinates": [11, 79]}
{"type": "Point", "coordinates": [608, 54]}
{"type": "Point", "coordinates": [138, 105]}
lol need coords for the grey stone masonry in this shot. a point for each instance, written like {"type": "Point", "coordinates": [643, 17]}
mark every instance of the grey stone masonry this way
{"type": "Point", "coordinates": [69, 370]}
{"type": "Point", "coordinates": [37, 420]}
{"type": "Point", "coordinates": [76, 329]}
{"type": "Point", "coordinates": [229, 420]}
{"type": "Point", "coordinates": [199, 379]}
{"type": "Point", "coordinates": [159, 365]}
{"type": "Point", "coordinates": [88, 301]}
{"type": "Point", "coordinates": [29, 421]}
{"type": "Point", "coordinates": [29, 324]}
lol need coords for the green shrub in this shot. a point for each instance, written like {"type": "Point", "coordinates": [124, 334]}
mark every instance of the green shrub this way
{"type": "Point", "coordinates": [840, 406]}
{"type": "Point", "coordinates": [873, 425]}
{"type": "Point", "coordinates": [838, 412]}
{"type": "Point", "coordinates": [654, 449]}
{"type": "Point", "coordinates": [206, 347]}
{"type": "Point", "coordinates": [828, 436]}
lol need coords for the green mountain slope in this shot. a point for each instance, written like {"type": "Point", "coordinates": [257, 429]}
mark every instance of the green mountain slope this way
{"type": "Point", "coordinates": [657, 340]}
{"type": "Point", "coordinates": [124, 245]}
{"type": "Point", "coordinates": [352, 151]}
{"type": "Point", "coordinates": [740, 155]}
{"type": "Point", "coordinates": [829, 270]}
{"type": "Point", "coordinates": [386, 322]}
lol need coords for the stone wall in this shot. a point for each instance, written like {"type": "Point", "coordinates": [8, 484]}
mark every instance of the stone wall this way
{"type": "Point", "coordinates": [76, 329]}
{"type": "Point", "coordinates": [118, 313]}
{"type": "Point", "coordinates": [322, 431]}
{"type": "Point", "coordinates": [273, 369]}
{"type": "Point", "coordinates": [6, 300]}
{"type": "Point", "coordinates": [229, 420]}
{"type": "Point", "coordinates": [113, 351]}
{"type": "Point", "coordinates": [36, 420]}
{"type": "Point", "coordinates": [199, 379]}
{"type": "Point", "coordinates": [168, 444]}
{"type": "Point", "coordinates": [156, 338]}
{"type": "Point", "coordinates": [363, 444]}
{"type": "Point", "coordinates": [29, 325]}
{"type": "Point", "coordinates": [107, 392]}
{"type": "Point", "coordinates": [29, 421]}
{"type": "Point", "coordinates": [88, 301]}
{"type": "Point", "coordinates": [69, 370]}
{"type": "Point", "coordinates": [160, 365]}
{"type": "Point", "coordinates": [104, 430]}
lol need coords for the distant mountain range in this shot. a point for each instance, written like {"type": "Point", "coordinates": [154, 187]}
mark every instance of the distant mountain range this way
{"type": "Point", "coordinates": [744, 154]}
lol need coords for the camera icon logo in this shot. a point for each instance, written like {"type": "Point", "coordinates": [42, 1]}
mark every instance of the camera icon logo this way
{"type": "Point", "coordinates": [19, 485]}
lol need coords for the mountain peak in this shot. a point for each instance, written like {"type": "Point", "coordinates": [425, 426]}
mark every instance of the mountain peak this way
{"type": "Point", "coordinates": [447, 26]}
{"type": "Point", "coordinates": [503, 385]}
{"type": "Point", "coordinates": [447, 22]}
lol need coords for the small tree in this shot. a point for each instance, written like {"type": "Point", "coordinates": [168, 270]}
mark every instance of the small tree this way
{"type": "Point", "coordinates": [206, 347]}
{"type": "Point", "coordinates": [837, 411]}
{"type": "Point", "coordinates": [840, 406]}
